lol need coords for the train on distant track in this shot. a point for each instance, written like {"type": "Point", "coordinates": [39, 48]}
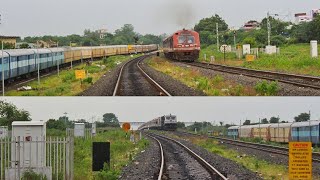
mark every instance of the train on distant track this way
{"type": "Point", "coordinates": [183, 45]}
{"type": "Point", "coordinates": [166, 122]}
{"type": "Point", "coordinates": [279, 132]}
{"type": "Point", "coordinates": [18, 63]}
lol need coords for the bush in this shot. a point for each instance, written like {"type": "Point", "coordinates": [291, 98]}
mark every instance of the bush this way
{"type": "Point", "coordinates": [88, 80]}
{"type": "Point", "coordinates": [69, 77]}
{"type": "Point", "coordinates": [267, 89]}
{"type": "Point", "coordinates": [31, 175]}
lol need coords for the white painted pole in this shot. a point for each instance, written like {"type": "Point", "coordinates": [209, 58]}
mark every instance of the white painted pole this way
{"type": "Point", "coordinates": [2, 61]}
{"type": "Point", "coordinates": [314, 48]}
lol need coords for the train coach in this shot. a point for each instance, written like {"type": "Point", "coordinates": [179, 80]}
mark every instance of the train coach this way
{"type": "Point", "coordinates": [279, 132]}
{"type": "Point", "coordinates": [166, 122]}
{"type": "Point", "coordinates": [183, 45]}
{"type": "Point", "coordinates": [19, 63]}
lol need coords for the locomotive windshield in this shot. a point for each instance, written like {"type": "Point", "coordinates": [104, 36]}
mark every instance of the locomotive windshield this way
{"type": "Point", "coordinates": [186, 39]}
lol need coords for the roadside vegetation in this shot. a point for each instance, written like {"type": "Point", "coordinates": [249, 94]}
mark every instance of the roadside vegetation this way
{"type": "Point", "coordinates": [66, 84]}
{"type": "Point", "coordinates": [293, 58]}
{"type": "Point", "coordinates": [122, 152]}
{"type": "Point", "coordinates": [212, 86]}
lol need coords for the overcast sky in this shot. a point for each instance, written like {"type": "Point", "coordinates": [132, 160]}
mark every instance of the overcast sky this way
{"type": "Point", "coordinates": [190, 109]}
{"type": "Point", "coordinates": [62, 17]}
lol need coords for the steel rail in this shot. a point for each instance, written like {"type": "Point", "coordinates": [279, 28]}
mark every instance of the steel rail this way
{"type": "Point", "coordinates": [262, 147]}
{"type": "Point", "coordinates": [213, 171]}
{"type": "Point", "coordinates": [117, 87]}
{"type": "Point", "coordinates": [241, 71]}
{"type": "Point", "coordinates": [161, 171]}
{"type": "Point", "coordinates": [151, 81]}
{"type": "Point", "coordinates": [144, 74]}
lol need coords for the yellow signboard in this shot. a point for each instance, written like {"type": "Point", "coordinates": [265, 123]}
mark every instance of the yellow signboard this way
{"type": "Point", "coordinates": [80, 74]}
{"type": "Point", "coordinates": [300, 160]}
{"type": "Point", "coordinates": [250, 57]}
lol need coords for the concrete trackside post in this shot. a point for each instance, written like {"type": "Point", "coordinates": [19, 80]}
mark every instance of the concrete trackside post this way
{"type": "Point", "coordinates": [314, 48]}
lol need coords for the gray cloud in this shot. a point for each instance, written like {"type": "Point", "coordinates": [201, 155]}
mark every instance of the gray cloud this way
{"type": "Point", "coordinates": [61, 17]}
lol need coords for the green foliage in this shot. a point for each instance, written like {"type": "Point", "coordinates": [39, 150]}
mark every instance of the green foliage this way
{"type": "Point", "coordinates": [203, 83]}
{"type": "Point", "coordinates": [123, 36]}
{"type": "Point", "coordinates": [181, 125]}
{"type": "Point", "coordinates": [111, 120]}
{"type": "Point", "coordinates": [274, 120]}
{"type": "Point", "coordinates": [250, 40]}
{"type": "Point", "coordinates": [247, 122]}
{"type": "Point", "coordinates": [303, 117]}
{"type": "Point", "coordinates": [9, 113]}
{"type": "Point", "coordinates": [264, 121]}
{"type": "Point", "coordinates": [31, 175]}
{"type": "Point", "coordinates": [209, 24]}
{"type": "Point", "coordinates": [69, 77]}
{"type": "Point", "coordinates": [88, 80]}
{"type": "Point", "coordinates": [7, 45]}
{"type": "Point", "coordinates": [267, 89]}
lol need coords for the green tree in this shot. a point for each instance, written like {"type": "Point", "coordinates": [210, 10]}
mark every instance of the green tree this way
{"type": "Point", "coordinates": [247, 122]}
{"type": "Point", "coordinates": [111, 119]}
{"type": "Point", "coordinates": [302, 117]}
{"type": "Point", "coordinates": [274, 120]}
{"type": "Point", "coordinates": [181, 125]}
{"type": "Point", "coordinates": [56, 124]}
{"type": "Point", "coordinates": [250, 40]}
{"type": "Point", "coordinates": [209, 24]}
{"type": "Point", "coordinates": [10, 113]}
{"type": "Point", "coordinates": [264, 121]}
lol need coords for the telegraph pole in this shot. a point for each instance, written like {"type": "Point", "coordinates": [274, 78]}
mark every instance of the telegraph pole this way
{"type": "Point", "coordinates": [217, 31]}
{"type": "Point", "coordinates": [2, 61]}
{"type": "Point", "coordinates": [234, 39]}
{"type": "Point", "coordinates": [269, 28]}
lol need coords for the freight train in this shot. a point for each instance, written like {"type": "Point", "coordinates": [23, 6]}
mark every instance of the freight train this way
{"type": "Point", "coordinates": [18, 63]}
{"type": "Point", "coordinates": [166, 122]}
{"type": "Point", "coordinates": [280, 132]}
{"type": "Point", "coordinates": [183, 45]}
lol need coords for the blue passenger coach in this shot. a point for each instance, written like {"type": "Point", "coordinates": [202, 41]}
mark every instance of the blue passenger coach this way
{"type": "Point", "coordinates": [300, 132]}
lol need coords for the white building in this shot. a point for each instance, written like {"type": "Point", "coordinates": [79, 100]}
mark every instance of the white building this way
{"type": "Point", "coordinates": [302, 17]}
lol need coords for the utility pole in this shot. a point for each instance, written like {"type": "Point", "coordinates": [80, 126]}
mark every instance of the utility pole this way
{"type": "Point", "coordinates": [65, 118]}
{"type": "Point", "coordinates": [269, 28]}
{"type": "Point", "coordinates": [217, 32]}
{"type": "Point", "coordinates": [2, 61]}
{"type": "Point", "coordinates": [310, 126]}
{"type": "Point", "coordinates": [234, 40]}
{"type": "Point", "coordinates": [38, 60]}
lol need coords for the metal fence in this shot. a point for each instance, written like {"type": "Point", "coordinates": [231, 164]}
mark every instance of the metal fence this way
{"type": "Point", "coordinates": [51, 157]}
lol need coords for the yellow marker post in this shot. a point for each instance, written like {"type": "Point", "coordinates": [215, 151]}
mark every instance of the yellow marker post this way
{"type": "Point", "coordinates": [300, 160]}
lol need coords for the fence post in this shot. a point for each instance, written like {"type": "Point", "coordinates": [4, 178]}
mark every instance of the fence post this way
{"type": "Point", "coordinates": [68, 158]}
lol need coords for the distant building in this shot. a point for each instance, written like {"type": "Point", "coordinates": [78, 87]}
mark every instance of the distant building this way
{"type": "Point", "coordinates": [250, 25]}
{"type": "Point", "coordinates": [9, 39]}
{"type": "Point", "coordinates": [302, 17]}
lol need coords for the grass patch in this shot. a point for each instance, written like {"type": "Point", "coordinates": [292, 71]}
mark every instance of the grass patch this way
{"type": "Point", "coordinates": [293, 59]}
{"type": "Point", "coordinates": [212, 86]}
{"type": "Point", "coordinates": [265, 88]}
{"type": "Point", "coordinates": [122, 152]}
{"type": "Point", "coordinates": [66, 84]}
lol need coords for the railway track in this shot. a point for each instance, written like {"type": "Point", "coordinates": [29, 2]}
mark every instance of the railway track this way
{"type": "Point", "coordinates": [261, 147]}
{"type": "Point", "coordinates": [293, 79]}
{"type": "Point", "coordinates": [134, 81]}
{"type": "Point", "coordinates": [180, 162]}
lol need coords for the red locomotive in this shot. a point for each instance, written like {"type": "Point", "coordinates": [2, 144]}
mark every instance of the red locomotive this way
{"type": "Point", "coordinates": [184, 45]}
